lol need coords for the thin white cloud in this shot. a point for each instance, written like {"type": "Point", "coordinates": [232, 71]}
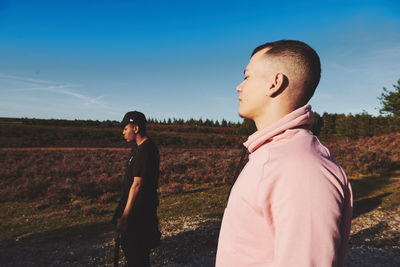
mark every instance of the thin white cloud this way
{"type": "Point", "coordinates": [25, 79]}
{"type": "Point", "coordinates": [387, 52]}
{"type": "Point", "coordinates": [53, 87]}
{"type": "Point", "coordinates": [346, 68]}
{"type": "Point", "coordinates": [64, 90]}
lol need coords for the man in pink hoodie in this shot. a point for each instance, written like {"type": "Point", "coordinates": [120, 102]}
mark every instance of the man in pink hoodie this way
{"type": "Point", "coordinates": [292, 203]}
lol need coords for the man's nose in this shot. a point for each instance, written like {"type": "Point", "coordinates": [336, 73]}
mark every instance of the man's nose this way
{"type": "Point", "coordinates": [239, 88]}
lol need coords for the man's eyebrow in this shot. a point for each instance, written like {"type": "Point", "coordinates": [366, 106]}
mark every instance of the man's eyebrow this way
{"type": "Point", "coordinates": [244, 72]}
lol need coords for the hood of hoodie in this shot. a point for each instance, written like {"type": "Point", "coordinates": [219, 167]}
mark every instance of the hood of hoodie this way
{"type": "Point", "coordinates": [300, 117]}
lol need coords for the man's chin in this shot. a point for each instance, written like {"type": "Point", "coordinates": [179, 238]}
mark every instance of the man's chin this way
{"type": "Point", "coordinates": [243, 116]}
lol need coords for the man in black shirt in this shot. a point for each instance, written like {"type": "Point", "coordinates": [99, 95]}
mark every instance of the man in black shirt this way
{"type": "Point", "coordinates": [136, 215]}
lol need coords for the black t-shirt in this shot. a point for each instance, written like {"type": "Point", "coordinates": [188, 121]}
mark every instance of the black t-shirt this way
{"type": "Point", "coordinates": [144, 162]}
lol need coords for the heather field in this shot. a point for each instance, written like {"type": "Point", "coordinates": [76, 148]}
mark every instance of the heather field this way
{"type": "Point", "coordinates": [48, 195]}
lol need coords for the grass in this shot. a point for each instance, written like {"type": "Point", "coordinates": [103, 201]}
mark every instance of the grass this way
{"type": "Point", "coordinates": [193, 184]}
{"type": "Point", "coordinates": [370, 192]}
{"type": "Point", "coordinates": [24, 222]}
{"type": "Point", "coordinates": [29, 224]}
{"type": "Point", "coordinates": [201, 201]}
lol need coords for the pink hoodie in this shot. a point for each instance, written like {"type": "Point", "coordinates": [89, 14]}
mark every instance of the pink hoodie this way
{"type": "Point", "coordinates": [292, 203]}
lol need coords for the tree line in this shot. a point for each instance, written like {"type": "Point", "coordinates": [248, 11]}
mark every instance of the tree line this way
{"type": "Point", "coordinates": [353, 126]}
{"type": "Point", "coordinates": [325, 125]}
{"type": "Point", "coordinates": [108, 123]}
{"type": "Point", "coordinates": [342, 125]}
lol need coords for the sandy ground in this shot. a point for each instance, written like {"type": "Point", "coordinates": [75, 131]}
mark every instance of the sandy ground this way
{"type": "Point", "coordinates": [374, 241]}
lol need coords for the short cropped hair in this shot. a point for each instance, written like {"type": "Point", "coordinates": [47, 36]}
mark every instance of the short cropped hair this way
{"type": "Point", "coordinates": [301, 55]}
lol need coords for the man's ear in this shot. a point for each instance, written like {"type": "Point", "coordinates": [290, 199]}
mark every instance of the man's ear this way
{"type": "Point", "coordinates": [135, 129]}
{"type": "Point", "coordinates": [277, 85]}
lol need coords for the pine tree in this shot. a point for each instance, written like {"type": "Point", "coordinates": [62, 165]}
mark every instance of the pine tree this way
{"type": "Point", "coordinates": [390, 100]}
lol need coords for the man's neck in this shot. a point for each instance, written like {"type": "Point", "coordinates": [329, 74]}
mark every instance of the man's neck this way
{"type": "Point", "coordinates": [140, 139]}
{"type": "Point", "coordinates": [271, 115]}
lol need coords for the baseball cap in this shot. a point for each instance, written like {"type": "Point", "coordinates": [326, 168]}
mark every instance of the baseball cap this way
{"type": "Point", "coordinates": [134, 117]}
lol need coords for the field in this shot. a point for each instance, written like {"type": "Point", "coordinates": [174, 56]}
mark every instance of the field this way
{"type": "Point", "coordinates": [64, 198]}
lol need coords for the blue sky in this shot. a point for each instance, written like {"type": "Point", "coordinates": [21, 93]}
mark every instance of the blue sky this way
{"type": "Point", "coordinates": [98, 59]}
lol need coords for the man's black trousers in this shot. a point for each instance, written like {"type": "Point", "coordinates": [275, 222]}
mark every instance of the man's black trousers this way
{"type": "Point", "coordinates": [136, 251]}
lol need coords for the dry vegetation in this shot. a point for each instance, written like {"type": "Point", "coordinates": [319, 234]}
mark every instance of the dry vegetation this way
{"type": "Point", "coordinates": [51, 193]}
{"type": "Point", "coordinates": [63, 175]}
{"type": "Point", "coordinates": [368, 155]}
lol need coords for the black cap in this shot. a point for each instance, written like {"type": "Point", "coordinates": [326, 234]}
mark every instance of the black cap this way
{"type": "Point", "coordinates": [134, 117]}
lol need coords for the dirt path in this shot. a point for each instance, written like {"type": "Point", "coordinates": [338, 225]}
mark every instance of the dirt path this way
{"type": "Point", "coordinates": [192, 242]}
